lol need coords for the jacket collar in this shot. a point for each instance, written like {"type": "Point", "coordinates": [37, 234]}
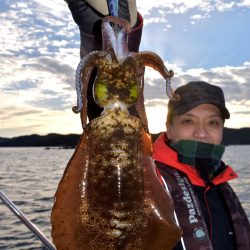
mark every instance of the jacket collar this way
{"type": "Point", "coordinates": [164, 154]}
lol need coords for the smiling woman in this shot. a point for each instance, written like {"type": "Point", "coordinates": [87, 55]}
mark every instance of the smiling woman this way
{"type": "Point", "coordinates": [202, 123]}
{"type": "Point", "coordinates": [188, 157]}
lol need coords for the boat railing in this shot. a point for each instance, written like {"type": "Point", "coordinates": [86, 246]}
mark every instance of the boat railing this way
{"type": "Point", "coordinates": [31, 226]}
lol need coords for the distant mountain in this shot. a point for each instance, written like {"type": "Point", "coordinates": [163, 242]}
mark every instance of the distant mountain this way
{"type": "Point", "coordinates": [50, 140]}
{"type": "Point", "coordinates": [231, 137]}
{"type": "Point", "coordinates": [236, 136]}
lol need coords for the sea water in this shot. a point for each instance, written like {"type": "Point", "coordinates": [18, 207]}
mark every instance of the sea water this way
{"type": "Point", "coordinates": [29, 177]}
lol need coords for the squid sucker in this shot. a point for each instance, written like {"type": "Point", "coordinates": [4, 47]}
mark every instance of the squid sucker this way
{"type": "Point", "coordinates": [109, 196]}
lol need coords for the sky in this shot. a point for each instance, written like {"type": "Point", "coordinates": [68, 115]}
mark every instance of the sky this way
{"type": "Point", "coordinates": [39, 52]}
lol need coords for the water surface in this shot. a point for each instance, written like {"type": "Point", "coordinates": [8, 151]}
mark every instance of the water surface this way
{"type": "Point", "coordinates": [29, 177]}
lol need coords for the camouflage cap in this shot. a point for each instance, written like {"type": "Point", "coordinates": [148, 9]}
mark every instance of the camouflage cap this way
{"type": "Point", "coordinates": [195, 93]}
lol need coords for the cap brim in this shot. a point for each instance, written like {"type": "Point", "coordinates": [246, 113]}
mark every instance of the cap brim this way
{"type": "Point", "coordinates": [183, 109]}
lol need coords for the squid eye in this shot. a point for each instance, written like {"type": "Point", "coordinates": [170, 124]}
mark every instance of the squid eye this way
{"type": "Point", "coordinates": [100, 93]}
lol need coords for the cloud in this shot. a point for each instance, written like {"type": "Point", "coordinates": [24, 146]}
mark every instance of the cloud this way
{"type": "Point", "coordinates": [194, 40]}
{"type": "Point", "coordinates": [21, 85]}
{"type": "Point", "coordinates": [183, 6]}
{"type": "Point", "coordinates": [198, 17]}
{"type": "Point", "coordinates": [233, 80]}
{"type": "Point", "coordinates": [51, 103]}
{"type": "Point", "coordinates": [51, 65]}
{"type": "Point", "coordinates": [242, 112]}
{"type": "Point", "coordinates": [244, 3]}
{"type": "Point", "coordinates": [20, 130]}
{"type": "Point", "coordinates": [36, 28]}
{"type": "Point", "coordinates": [39, 52]}
{"type": "Point", "coordinates": [21, 113]}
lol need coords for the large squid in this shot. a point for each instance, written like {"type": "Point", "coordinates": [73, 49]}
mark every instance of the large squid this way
{"type": "Point", "coordinates": [109, 196]}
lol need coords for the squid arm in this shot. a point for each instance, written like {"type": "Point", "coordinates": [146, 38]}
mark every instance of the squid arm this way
{"type": "Point", "coordinates": [83, 73]}
{"type": "Point", "coordinates": [138, 61]}
{"type": "Point", "coordinates": [150, 59]}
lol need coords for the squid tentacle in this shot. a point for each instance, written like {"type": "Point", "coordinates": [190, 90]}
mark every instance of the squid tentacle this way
{"type": "Point", "coordinates": [83, 73]}
{"type": "Point", "coordinates": [150, 59]}
{"type": "Point", "coordinates": [78, 83]}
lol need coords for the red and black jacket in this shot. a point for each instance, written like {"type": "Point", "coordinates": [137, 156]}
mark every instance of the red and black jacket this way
{"type": "Point", "coordinates": [211, 216]}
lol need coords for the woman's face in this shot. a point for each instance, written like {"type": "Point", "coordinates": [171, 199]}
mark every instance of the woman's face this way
{"type": "Point", "coordinates": [202, 123]}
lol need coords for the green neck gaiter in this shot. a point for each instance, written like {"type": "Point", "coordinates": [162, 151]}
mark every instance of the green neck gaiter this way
{"type": "Point", "coordinates": [205, 157]}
